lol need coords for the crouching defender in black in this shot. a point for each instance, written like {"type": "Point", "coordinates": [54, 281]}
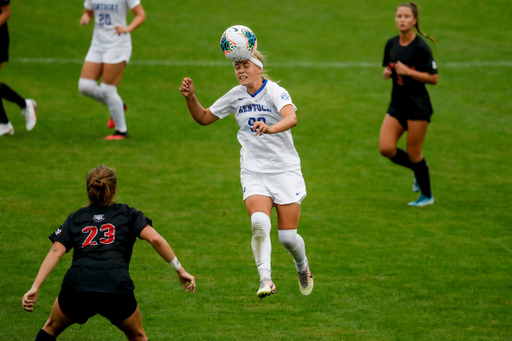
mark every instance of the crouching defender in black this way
{"type": "Point", "coordinates": [98, 282]}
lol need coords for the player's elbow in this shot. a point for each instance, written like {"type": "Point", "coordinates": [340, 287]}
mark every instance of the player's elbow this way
{"type": "Point", "coordinates": [435, 79]}
{"type": "Point", "coordinates": [205, 117]}
{"type": "Point", "coordinates": [203, 122]}
{"type": "Point", "coordinates": [157, 241]}
{"type": "Point", "coordinates": [140, 14]}
{"type": "Point", "coordinates": [293, 122]}
{"type": "Point", "coordinates": [142, 17]}
{"type": "Point", "coordinates": [58, 250]}
{"type": "Point", "coordinates": [154, 238]}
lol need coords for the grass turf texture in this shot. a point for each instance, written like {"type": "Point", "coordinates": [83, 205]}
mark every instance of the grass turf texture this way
{"type": "Point", "coordinates": [383, 271]}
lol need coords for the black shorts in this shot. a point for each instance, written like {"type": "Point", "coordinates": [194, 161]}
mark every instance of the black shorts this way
{"type": "Point", "coordinates": [403, 117]}
{"type": "Point", "coordinates": [79, 306]}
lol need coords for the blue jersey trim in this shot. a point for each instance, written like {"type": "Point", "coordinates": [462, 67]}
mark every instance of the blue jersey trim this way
{"type": "Point", "coordinates": [260, 90]}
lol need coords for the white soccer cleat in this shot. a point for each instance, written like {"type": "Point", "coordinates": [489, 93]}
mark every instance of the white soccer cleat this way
{"type": "Point", "coordinates": [305, 281]}
{"type": "Point", "coordinates": [422, 201]}
{"type": "Point", "coordinates": [6, 129]}
{"type": "Point", "coordinates": [30, 113]}
{"type": "Point", "coordinates": [267, 288]}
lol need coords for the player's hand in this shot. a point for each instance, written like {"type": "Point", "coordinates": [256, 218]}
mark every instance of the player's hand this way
{"type": "Point", "coordinates": [261, 128]}
{"type": "Point", "coordinates": [402, 69]}
{"type": "Point", "coordinates": [85, 20]}
{"type": "Point", "coordinates": [120, 30]}
{"type": "Point", "coordinates": [388, 72]}
{"type": "Point", "coordinates": [29, 299]}
{"type": "Point", "coordinates": [187, 280]}
{"type": "Point", "coordinates": [187, 87]}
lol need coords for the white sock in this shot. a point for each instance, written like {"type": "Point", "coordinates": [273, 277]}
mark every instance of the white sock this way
{"type": "Point", "coordinates": [90, 88]}
{"type": "Point", "coordinates": [115, 105]}
{"type": "Point", "coordinates": [295, 246]}
{"type": "Point", "coordinates": [261, 247]}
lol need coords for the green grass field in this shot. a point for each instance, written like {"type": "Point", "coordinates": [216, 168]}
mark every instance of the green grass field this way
{"type": "Point", "coordinates": [383, 270]}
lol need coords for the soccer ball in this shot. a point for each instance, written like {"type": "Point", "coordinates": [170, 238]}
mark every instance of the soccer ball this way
{"type": "Point", "coordinates": [238, 43]}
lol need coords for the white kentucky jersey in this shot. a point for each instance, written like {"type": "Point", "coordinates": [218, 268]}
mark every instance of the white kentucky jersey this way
{"type": "Point", "coordinates": [108, 14]}
{"type": "Point", "coordinates": [269, 153]}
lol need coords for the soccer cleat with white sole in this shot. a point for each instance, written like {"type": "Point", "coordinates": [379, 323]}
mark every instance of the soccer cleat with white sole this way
{"type": "Point", "coordinates": [267, 288]}
{"type": "Point", "coordinates": [118, 136]}
{"type": "Point", "coordinates": [415, 186]}
{"type": "Point", "coordinates": [30, 113]}
{"type": "Point", "coordinates": [423, 200]}
{"type": "Point", "coordinates": [6, 129]}
{"type": "Point", "coordinates": [305, 281]}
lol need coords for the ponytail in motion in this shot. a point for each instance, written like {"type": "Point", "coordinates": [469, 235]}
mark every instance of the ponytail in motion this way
{"type": "Point", "coordinates": [101, 185]}
{"type": "Point", "coordinates": [414, 9]}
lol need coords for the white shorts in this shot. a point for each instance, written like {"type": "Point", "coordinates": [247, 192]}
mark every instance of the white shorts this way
{"type": "Point", "coordinates": [283, 188]}
{"type": "Point", "coordinates": [111, 56]}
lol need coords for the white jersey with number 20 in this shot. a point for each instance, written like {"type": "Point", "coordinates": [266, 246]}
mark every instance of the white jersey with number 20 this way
{"type": "Point", "coordinates": [269, 153]}
{"type": "Point", "coordinates": [108, 14]}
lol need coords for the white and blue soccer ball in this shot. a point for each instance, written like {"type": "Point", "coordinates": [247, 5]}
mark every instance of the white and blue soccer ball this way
{"type": "Point", "coordinates": [238, 43]}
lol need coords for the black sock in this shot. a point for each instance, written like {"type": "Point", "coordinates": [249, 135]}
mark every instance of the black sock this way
{"type": "Point", "coordinates": [44, 336]}
{"type": "Point", "coordinates": [3, 115]}
{"type": "Point", "coordinates": [12, 96]}
{"type": "Point", "coordinates": [401, 158]}
{"type": "Point", "coordinates": [422, 176]}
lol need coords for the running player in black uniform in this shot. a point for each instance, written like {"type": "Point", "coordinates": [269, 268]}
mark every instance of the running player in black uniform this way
{"type": "Point", "coordinates": [28, 106]}
{"type": "Point", "coordinates": [98, 282]}
{"type": "Point", "coordinates": [409, 62]}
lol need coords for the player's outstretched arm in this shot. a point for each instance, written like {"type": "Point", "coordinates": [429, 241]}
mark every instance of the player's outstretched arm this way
{"type": "Point", "coordinates": [199, 113]}
{"type": "Point", "coordinates": [164, 250]}
{"type": "Point", "coordinates": [49, 263]}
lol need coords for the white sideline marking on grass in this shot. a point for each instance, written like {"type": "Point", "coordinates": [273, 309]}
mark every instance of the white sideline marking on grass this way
{"type": "Point", "coordinates": [336, 65]}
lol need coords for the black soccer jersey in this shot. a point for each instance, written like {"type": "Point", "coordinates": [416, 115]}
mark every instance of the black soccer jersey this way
{"type": "Point", "coordinates": [102, 239]}
{"type": "Point", "coordinates": [409, 95]}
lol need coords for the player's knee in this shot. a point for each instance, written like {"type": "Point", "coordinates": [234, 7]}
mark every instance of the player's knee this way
{"type": "Point", "coordinates": [135, 335]}
{"type": "Point", "coordinates": [53, 328]}
{"type": "Point", "coordinates": [43, 335]}
{"type": "Point", "coordinates": [86, 86]}
{"type": "Point", "coordinates": [287, 237]}
{"type": "Point", "coordinates": [110, 93]}
{"type": "Point", "coordinates": [387, 151]}
{"type": "Point", "coordinates": [260, 223]}
{"type": "Point", "coordinates": [414, 155]}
